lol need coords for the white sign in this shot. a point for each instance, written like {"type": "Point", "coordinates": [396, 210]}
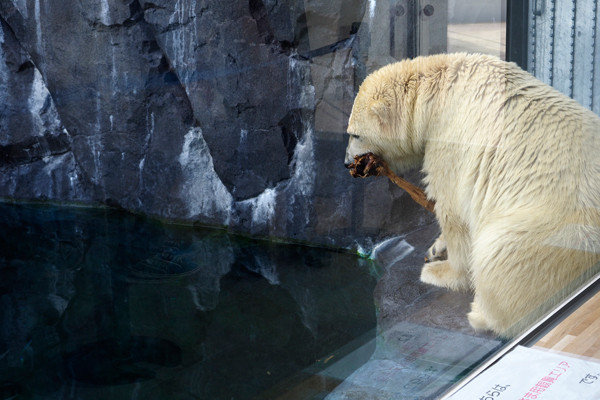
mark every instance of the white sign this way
{"type": "Point", "coordinates": [535, 374]}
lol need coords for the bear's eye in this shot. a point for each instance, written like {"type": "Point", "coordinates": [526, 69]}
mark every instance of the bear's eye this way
{"type": "Point", "coordinates": [354, 136]}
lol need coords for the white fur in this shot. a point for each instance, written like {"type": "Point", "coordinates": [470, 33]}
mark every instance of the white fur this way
{"type": "Point", "coordinates": [514, 168]}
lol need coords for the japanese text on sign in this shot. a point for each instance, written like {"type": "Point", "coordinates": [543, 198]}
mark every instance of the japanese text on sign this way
{"type": "Point", "coordinates": [543, 384]}
{"type": "Point", "coordinates": [494, 392]}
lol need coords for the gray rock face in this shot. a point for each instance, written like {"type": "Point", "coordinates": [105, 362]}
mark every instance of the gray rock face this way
{"type": "Point", "coordinates": [204, 111]}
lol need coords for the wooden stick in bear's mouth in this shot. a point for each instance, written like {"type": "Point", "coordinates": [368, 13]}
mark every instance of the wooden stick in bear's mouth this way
{"type": "Point", "coordinates": [371, 165]}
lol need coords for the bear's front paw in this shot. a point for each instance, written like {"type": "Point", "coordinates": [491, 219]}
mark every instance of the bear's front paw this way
{"type": "Point", "coordinates": [441, 273]}
{"type": "Point", "coordinates": [437, 252]}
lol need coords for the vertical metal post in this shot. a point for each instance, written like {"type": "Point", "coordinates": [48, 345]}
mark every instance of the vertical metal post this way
{"type": "Point", "coordinates": [564, 50]}
{"type": "Point", "coordinates": [400, 29]}
{"type": "Point", "coordinates": [564, 44]}
{"type": "Point", "coordinates": [584, 48]}
{"type": "Point", "coordinates": [517, 31]}
{"type": "Point", "coordinates": [418, 27]}
{"type": "Point", "coordinates": [431, 26]}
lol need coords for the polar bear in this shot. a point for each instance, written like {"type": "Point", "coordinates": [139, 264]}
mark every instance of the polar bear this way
{"type": "Point", "coordinates": [512, 165]}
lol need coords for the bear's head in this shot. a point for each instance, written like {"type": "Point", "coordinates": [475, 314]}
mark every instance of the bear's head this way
{"type": "Point", "coordinates": [382, 118]}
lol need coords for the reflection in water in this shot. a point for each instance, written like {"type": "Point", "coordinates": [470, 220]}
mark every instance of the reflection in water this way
{"type": "Point", "coordinates": [115, 361]}
{"type": "Point", "coordinates": [97, 304]}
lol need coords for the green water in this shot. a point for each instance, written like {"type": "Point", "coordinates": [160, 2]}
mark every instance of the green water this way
{"type": "Point", "coordinates": [99, 304]}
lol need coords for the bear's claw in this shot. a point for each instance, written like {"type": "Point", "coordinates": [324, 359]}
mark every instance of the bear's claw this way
{"type": "Point", "coordinates": [437, 252]}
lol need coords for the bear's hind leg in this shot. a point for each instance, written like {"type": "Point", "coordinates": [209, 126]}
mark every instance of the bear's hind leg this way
{"type": "Point", "coordinates": [506, 276]}
{"type": "Point", "coordinates": [517, 277]}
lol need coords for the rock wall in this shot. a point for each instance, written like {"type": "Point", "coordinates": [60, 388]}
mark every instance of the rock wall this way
{"type": "Point", "coordinates": [222, 113]}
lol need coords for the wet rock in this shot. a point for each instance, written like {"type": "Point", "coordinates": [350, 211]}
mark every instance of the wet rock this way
{"type": "Point", "coordinates": [195, 111]}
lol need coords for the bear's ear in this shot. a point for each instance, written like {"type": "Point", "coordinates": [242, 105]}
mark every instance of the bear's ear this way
{"type": "Point", "coordinates": [382, 111]}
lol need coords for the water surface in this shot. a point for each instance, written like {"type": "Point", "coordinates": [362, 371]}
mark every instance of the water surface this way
{"type": "Point", "coordinates": [100, 304]}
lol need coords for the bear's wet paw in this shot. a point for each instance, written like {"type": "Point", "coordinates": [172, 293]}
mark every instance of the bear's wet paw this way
{"type": "Point", "coordinates": [441, 273]}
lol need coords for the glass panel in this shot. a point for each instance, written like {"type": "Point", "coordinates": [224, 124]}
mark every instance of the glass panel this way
{"type": "Point", "coordinates": [477, 27]}
{"type": "Point", "coordinates": [231, 119]}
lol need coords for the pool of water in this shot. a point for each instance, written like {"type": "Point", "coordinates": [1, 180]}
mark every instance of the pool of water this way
{"type": "Point", "coordinates": [100, 304]}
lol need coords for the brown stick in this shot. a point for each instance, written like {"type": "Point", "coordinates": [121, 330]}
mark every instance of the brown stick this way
{"type": "Point", "coordinates": [371, 165]}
